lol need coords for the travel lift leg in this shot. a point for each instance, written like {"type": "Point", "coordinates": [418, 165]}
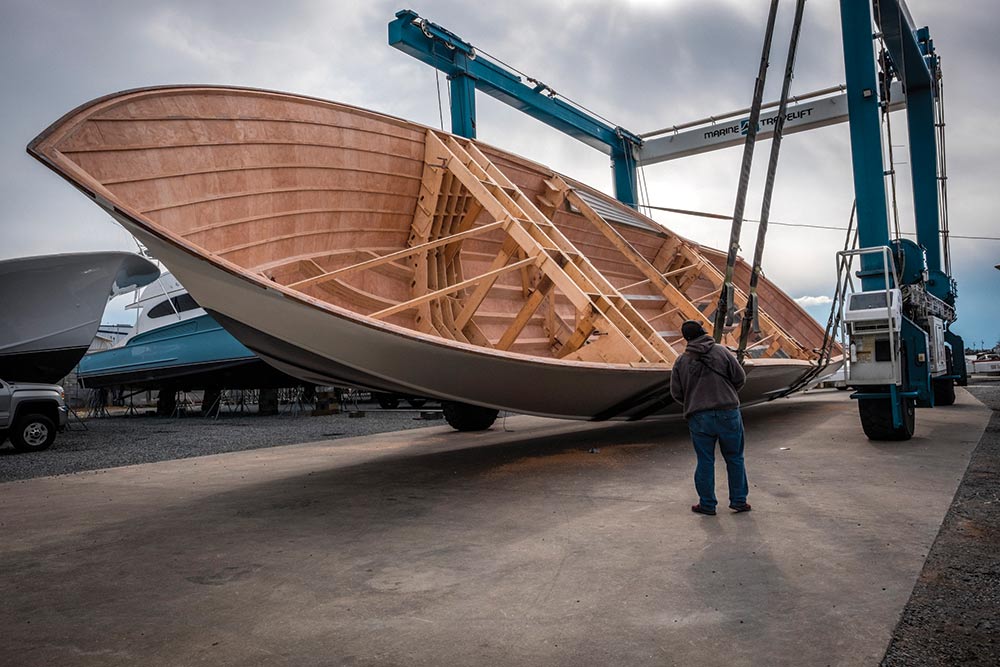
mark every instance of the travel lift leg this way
{"type": "Point", "coordinates": [885, 413]}
{"type": "Point", "coordinates": [898, 323]}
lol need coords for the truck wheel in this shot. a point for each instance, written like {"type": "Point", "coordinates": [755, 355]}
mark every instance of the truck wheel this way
{"type": "Point", "coordinates": [465, 417]}
{"type": "Point", "coordinates": [416, 401]}
{"type": "Point", "coordinates": [33, 433]}
{"type": "Point", "coordinates": [876, 419]}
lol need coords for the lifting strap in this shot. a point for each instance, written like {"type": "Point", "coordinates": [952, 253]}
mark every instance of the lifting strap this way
{"type": "Point", "coordinates": [844, 267]}
{"type": "Point", "coordinates": [723, 316]}
{"type": "Point", "coordinates": [750, 312]}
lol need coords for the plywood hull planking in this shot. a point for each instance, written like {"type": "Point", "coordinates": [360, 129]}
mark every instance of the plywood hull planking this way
{"type": "Point", "coordinates": [344, 246]}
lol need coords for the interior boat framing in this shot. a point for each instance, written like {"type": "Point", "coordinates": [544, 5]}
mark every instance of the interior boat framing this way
{"type": "Point", "coordinates": [346, 246]}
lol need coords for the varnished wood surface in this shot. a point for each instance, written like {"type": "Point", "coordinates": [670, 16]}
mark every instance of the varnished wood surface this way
{"type": "Point", "coordinates": [294, 190]}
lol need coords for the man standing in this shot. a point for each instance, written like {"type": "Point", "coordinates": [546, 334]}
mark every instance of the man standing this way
{"type": "Point", "coordinates": [705, 380]}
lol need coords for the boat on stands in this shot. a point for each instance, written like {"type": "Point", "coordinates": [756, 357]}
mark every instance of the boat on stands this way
{"type": "Point", "coordinates": [176, 345]}
{"type": "Point", "coordinates": [51, 307]}
{"type": "Point", "coordinates": [344, 246]}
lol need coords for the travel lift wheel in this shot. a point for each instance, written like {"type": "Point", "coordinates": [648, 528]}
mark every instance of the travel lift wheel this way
{"type": "Point", "coordinates": [944, 388]}
{"type": "Point", "coordinates": [944, 391]}
{"type": "Point", "coordinates": [876, 418]}
{"type": "Point", "coordinates": [465, 417]}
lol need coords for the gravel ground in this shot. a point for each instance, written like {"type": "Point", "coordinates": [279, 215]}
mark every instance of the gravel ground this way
{"type": "Point", "coordinates": [952, 615]}
{"type": "Point", "coordinates": [121, 441]}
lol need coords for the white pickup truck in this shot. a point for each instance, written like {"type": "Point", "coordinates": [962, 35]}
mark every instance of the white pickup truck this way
{"type": "Point", "coordinates": [31, 414]}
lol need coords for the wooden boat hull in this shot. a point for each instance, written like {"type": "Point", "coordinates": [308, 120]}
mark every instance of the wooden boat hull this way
{"type": "Point", "coordinates": [317, 346]}
{"type": "Point", "coordinates": [201, 190]}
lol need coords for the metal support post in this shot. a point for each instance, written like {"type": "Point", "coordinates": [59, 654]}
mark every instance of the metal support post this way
{"type": "Point", "coordinates": [923, 169]}
{"type": "Point", "coordinates": [626, 183]}
{"type": "Point", "coordinates": [866, 141]}
{"type": "Point", "coordinates": [463, 99]}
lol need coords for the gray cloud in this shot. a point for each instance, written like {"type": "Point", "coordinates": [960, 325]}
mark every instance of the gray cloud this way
{"type": "Point", "coordinates": [644, 64]}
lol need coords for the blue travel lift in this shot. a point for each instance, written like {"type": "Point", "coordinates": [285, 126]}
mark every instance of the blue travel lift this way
{"type": "Point", "coordinates": [446, 51]}
{"type": "Point", "coordinates": [902, 353]}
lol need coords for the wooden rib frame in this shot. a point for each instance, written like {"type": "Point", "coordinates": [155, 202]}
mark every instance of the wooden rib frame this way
{"type": "Point", "coordinates": [458, 183]}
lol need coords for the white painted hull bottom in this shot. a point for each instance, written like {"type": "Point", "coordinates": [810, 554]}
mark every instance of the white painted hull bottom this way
{"type": "Point", "coordinates": [310, 342]}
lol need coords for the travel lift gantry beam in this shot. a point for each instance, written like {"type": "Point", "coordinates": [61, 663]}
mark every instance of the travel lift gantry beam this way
{"type": "Point", "coordinates": [446, 51]}
{"type": "Point", "coordinates": [860, 103]}
{"type": "Point", "coordinates": [468, 69]}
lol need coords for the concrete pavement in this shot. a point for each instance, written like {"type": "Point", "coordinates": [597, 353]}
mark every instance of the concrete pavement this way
{"type": "Point", "coordinates": [429, 547]}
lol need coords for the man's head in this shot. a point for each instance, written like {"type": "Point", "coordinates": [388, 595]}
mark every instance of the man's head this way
{"type": "Point", "coordinates": [692, 329]}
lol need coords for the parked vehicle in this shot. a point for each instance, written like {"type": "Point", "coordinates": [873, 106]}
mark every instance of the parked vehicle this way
{"type": "Point", "coordinates": [986, 363]}
{"type": "Point", "coordinates": [31, 414]}
{"type": "Point", "coordinates": [175, 344]}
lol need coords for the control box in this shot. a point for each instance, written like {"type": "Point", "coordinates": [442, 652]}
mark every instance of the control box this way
{"type": "Point", "coordinates": [873, 320]}
{"type": "Point", "coordinates": [935, 339]}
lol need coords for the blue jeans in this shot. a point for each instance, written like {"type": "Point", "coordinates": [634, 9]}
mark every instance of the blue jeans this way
{"type": "Point", "coordinates": [726, 427]}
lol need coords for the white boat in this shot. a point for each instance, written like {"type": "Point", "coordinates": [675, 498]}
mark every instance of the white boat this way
{"type": "Point", "coordinates": [51, 308]}
{"type": "Point", "coordinates": [174, 345]}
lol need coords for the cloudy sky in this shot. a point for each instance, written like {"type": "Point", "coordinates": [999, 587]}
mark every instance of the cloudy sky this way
{"type": "Point", "coordinates": [645, 64]}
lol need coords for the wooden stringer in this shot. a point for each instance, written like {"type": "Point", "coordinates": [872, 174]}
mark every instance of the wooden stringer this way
{"type": "Point", "coordinates": [606, 328]}
{"type": "Point", "coordinates": [679, 308]}
{"type": "Point", "coordinates": [680, 264]}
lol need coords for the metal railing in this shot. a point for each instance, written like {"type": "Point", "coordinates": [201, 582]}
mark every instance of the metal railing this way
{"type": "Point", "coordinates": [890, 281]}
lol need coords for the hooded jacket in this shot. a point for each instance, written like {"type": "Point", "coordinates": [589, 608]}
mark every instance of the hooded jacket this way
{"type": "Point", "coordinates": [706, 377]}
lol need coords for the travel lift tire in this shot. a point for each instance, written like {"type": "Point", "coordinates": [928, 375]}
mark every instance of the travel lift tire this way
{"type": "Point", "coordinates": [944, 388]}
{"type": "Point", "coordinates": [944, 392]}
{"type": "Point", "coordinates": [876, 418]}
{"type": "Point", "coordinates": [465, 417]}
